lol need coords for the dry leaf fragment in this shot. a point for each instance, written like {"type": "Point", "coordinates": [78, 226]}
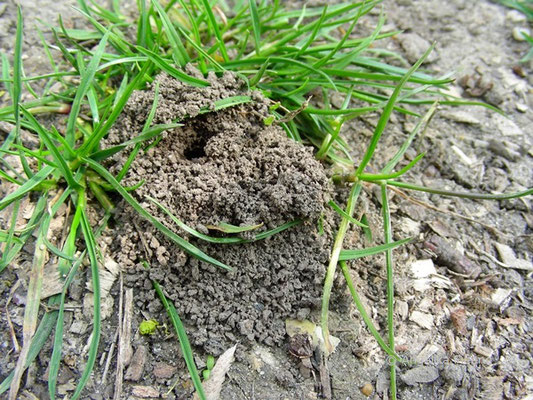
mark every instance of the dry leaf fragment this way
{"type": "Point", "coordinates": [213, 386]}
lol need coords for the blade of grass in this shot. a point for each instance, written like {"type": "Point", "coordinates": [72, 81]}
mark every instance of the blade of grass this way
{"type": "Point", "coordinates": [343, 214]}
{"type": "Point", "coordinates": [169, 69]}
{"type": "Point", "coordinates": [463, 195]}
{"type": "Point", "coordinates": [214, 26]}
{"type": "Point", "coordinates": [17, 89]}
{"type": "Point", "coordinates": [224, 240]}
{"type": "Point", "coordinates": [86, 81]}
{"type": "Point", "coordinates": [256, 26]}
{"type": "Point", "coordinates": [47, 140]}
{"type": "Point", "coordinates": [384, 118]}
{"type": "Point", "coordinates": [27, 186]}
{"type": "Point", "coordinates": [423, 122]}
{"type": "Point", "coordinates": [390, 284]}
{"type": "Point", "coordinates": [378, 177]}
{"type": "Point", "coordinates": [31, 310]}
{"type": "Point", "coordinates": [179, 53]}
{"type": "Point", "coordinates": [369, 251]}
{"type": "Point", "coordinates": [90, 242]}
{"type": "Point", "coordinates": [39, 339]}
{"type": "Point", "coordinates": [66, 271]}
{"type": "Point", "coordinates": [184, 341]}
{"type": "Point", "coordinates": [228, 228]}
{"type": "Point", "coordinates": [366, 318]}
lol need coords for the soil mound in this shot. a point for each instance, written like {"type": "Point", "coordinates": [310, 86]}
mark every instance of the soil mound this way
{"type": "Point", "coordinates": [224, 167]}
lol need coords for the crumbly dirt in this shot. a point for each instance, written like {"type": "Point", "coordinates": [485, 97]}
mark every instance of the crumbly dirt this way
{"type": "Point", "coordinates": [225, 167]}
{"type": "Point", "coordinates": [460, 337]}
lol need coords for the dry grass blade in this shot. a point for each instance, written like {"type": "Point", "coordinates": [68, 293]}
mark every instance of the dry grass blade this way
{"type": "Point", "coordinates": [31, 311]}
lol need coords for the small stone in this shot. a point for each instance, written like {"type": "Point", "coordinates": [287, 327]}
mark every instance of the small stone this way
{"type": "Point", "coordinates": [415, 46]}
{"type": "Point", "coordinates": [423, 320]}
{"type": "Point", "coordinates": [422, 374]}
{"type": "Point", "coordinates": [367, 389]}
{"type": "Point", "coordinates": [521, 107]}
{"type": "Point", "coordinates": [453, 373]}
{"type": "Point", "coordinates": [462, 117]}
{"type": "Point", "coordinates": [505, 126]}
{"type": "Point", "coordinates": [519, 32]}
{"type": "Point", "coordinates": [516, 17]}
{"type": "Point", "coordinates": [402, 309]}
{"type": "Point", "coordinates": [78, 327]}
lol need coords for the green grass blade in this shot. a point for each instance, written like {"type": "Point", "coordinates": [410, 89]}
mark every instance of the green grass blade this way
{"type": "Point", "coordinates": [144, 30]}
{"type": "Point", "coordinates": [102, 129]}
{"type": "Point", "coordinates": [463, 195]}
{"type": "Point", "coordinates": [169, 69]}
{"type": "Point", "coordinates": [214, 26]}
{"type": "Point", "coordinates": [47, 140]}
{"type": "Point", "coordinates": [343, 214]}
{"type": "Point", "coordinates": [183, 244]}
{"type": "Point", "coordinates": [256, 26]}
{"type": "Point", "coordinates": [390, 283]}
{"type": "Point", "coordinates": [27, 186]}
{"type": "Point", "coordinates": [364, 315]}
{"type": "Point", "coordinates": [17, 89]}
{"type": "Point", "coordinates": [85, 83]}
{"type": "Point", "coordinates": [423, 122]}
{"type": "Point", "coordinates": [55, 358]}
{"type": "Point", "coordinates": [382, 177]}
{"type": "Point", "coordinates": [370, 251]}
{"type": "Point", "coordinates": [228, 228]}
{"type": "Point", "coordinates": [149, 134]}
{"type": "Point", "coordinates": [95, 335]}
{"type": "Point", "coordinates": [146, 126]}
{"type": "Point", "coordinates": [385, 115]}
{"type": "Point", "coordinates": [316, 29]}
{"type": "Point", "coordinates": [178, 50]}
{"type": "Point", "coordinates": [184, 341]}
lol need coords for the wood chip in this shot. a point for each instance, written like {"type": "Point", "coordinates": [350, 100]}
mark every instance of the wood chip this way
{"type": "Point", "coordinates": [163, 370]}
{"type": "Point", "coordinates": [509, 258]}
{"type": "Point", "coordinates": [423, 320]}
{"type": "Point", "coordinates": [145, 392]}
{"type": "Point", "coordinates": [458, 318]}
{"type": "Point", "coordinates": [136, 369]}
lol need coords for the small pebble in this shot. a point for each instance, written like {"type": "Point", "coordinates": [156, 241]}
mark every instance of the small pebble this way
{"type": "Point", "coordinates": [367, 389]}
{"type": "Point", "coordinates": [516, 16]}
{"type": "Point", "coordinates": [518, 33]}
{"type": "Point", "coordinates": [521, 107]}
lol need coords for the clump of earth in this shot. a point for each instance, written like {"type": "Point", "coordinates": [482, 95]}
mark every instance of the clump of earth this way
{"type": "Point", "coordinates": [224, 166]}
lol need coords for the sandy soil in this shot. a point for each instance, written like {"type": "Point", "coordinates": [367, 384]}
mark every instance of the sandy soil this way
{"type": "Point", "coordinates": [464, 293]}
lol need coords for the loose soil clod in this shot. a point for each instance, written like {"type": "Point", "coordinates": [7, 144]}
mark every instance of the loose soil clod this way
{"type": "Point", "coordinates": [226, 166]}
